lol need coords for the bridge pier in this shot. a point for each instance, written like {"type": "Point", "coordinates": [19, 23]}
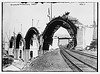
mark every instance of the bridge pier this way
{"type": "Point", "coordinates": [26, 55]}
{"type": "Point", "coordinates": [16, 53]}
{"type": "Point", "coordinates": [10, 51]}
{"type": "Point", "coordinates": [20, 53]}
{"type": "Point", "coordinates": [81, 38]}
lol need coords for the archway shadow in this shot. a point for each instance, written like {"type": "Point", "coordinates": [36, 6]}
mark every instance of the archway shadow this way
{"type": "Point", "coordinates": [53, 26]}
{"type": "Point", "coordinates": [29, 35]}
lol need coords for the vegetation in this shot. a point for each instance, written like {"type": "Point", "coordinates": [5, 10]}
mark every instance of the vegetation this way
{"type": "Point", "coordinates": [6, 61]}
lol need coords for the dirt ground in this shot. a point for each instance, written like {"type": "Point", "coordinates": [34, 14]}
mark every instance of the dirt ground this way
{"type": "Point", "coordinates": [51, 61]}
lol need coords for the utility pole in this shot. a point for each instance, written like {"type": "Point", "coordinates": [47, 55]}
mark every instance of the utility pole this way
{"type": "Point", "coordinates": [49, 14]}
{"type": "Point", "coordinates": [14, 37]}
{"type": "Point", "coordinates": [51, 11]}
{"type": "Point", "coordinates": [94, 23]}
{"type": "Point", "coordinates": [93, 12]}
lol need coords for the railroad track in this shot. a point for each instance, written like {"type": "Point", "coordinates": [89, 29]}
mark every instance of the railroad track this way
{"type": "Point", "coordinates": [84, 54]}
{"type": "Point", "coordinates": [77, 63]}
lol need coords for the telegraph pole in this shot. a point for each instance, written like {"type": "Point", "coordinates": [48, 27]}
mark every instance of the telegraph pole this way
{"type": "Point", "coordinates": [94, 23]}
{"type": "Point", "coordinates": [93, 12]}
{"type": "Point", "coordinates": [14, 37]}
{"type": "Point", "coordinates": [51, 11]}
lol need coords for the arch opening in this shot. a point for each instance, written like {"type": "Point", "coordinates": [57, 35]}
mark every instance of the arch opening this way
{"type": "Point", "coordinates": [53, 26]}
{"type": "Point", "coordinates": [11, 42]}
{"type": "Point", "coordinates": [19, 40]}
{"type": "Point", "coordinates": [63, 37]}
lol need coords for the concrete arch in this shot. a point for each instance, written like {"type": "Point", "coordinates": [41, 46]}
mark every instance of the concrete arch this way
{"type": "Point", "coordinates": [53, 26]}
{"type": "Point", "coordinates": [18, 38]}
{"type": "Point", "coordinates": [29, 35]}
{"type": "Point", "coordinates": [18, 51]}
{"type": "Point", "coordinates": [11, 45]}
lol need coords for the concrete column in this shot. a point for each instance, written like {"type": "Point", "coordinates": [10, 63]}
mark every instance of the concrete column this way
{"type": "Point", "coordinates": [31, 49]}
{"type": "Point", "coordinates": [35, 53]}
{"type": "Point", "coordinates": [20, 49]}
{"type": "Point", "coordinates": [10, 51]}
{"type": "Point", "coordinates": [14, 53]}
{"type": "Point", "coordinates": [80, 39]}
{"type": "Point", "coordinates": [22, 52]}
{"type": "Point", "coordinates": [40, 52]}
{"type": "Point", "coordinates": [34, 50]}
{"type": "Point", "coordinates": [17, 55]}
{"type": "Point", "coordinates": [55, 43]}
{"type": "Point", "coordinates": [26, 55]}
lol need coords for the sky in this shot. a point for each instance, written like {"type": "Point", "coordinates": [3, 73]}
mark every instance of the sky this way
{"type": "Point", "coordinates": [14, 15]}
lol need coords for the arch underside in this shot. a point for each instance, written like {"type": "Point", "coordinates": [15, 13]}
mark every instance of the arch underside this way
{"type": "Point", "coordinates": [18, 40]}
{"type": "Point", "coordinates": [53, 26]}
{"type": "Point", "coordinates": [29, 35]}
{"type": "Point", "coordinates": [11, 42]}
